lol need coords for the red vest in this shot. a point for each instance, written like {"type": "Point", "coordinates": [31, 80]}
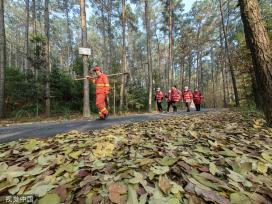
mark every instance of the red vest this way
{"type": "Point", "coordinates": [197, 96]}
{"type": "Point", "coordinates": [175, 95]}
{"type": "Point", "coordinates": [159, 96]}
{"type": "Point", "coordinates": [102, 84]}
{"type": "Point", "coordinates": [187, 95]}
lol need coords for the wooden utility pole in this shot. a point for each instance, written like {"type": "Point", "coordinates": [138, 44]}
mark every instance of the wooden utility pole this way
{"type": "Point", "coordinates": [258, 42]}
{"type": "Point", "coordinates": [149, 57]}
{"type": "Point", "coordinates": [86, 99]}
{"type": "Point", "coordinates": [2, 58]}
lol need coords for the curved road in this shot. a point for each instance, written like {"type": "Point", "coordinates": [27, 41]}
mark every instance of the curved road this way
{"type": "Point", "coordinates": [42, 130]}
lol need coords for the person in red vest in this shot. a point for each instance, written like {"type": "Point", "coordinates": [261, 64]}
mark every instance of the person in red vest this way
{"type": "Point", "coordinates": [187, 97]}
{"type": "Point", "coordinates": [102, 91]}
{"type": "Point", "coordinates": [159, 98]}
{"type": "Point", "coordinates": [168, 100]}
{"type": "Point", "coordinates": [175, 98]}
{"type": "Point", "coordinates": [197, 98]}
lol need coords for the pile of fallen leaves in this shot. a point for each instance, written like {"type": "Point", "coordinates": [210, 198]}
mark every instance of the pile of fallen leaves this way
{"type": "Point", "coordinates": [219, 157]}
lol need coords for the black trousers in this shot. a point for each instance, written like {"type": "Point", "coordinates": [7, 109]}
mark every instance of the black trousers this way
{"type": "Point", "coordinates": [188, 106]}
{"type": "Point", "coordinates": [197, 107]}
{"type": "Point", "coordinates": [174, 105]}
{"type": "Point", "coordinates": [168, 105]}
{"type": "Point", "coordinates": [159, 105]}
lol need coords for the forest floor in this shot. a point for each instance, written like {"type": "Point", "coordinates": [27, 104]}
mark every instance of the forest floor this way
{"type": "Point", "coordinates": [222, 157]}
{"type": "Point", "coordinates": [51, 128]}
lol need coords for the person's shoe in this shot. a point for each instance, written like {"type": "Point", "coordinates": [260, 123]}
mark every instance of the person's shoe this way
{"type": "Point", "coordinates": [100, 118]}
{"type": "Point", "coordinates": [106, 116]}
{"type": "Point", "coordinates": [188, 110]}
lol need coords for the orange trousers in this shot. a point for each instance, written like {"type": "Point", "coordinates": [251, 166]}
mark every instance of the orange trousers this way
{"type": "Point", "coordinates": [101, 104]}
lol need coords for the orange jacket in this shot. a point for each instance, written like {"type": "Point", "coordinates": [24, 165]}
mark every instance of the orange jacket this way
{"type": "Point", "coordinates": [102, 84]}
{"type": "Point", "coordinates": [159, 96]}
{"type": "Point", "coordinates": [175, 95]}
{"type": "Point", "coordinates": [187, 95]}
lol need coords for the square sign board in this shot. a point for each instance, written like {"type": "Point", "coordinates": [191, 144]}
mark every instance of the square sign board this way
{"type": "Point", "coordinates": [84, 51]}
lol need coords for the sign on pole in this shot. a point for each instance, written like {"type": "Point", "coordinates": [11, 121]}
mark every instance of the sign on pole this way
{"type": "Point", "coordinates": [84, 51]}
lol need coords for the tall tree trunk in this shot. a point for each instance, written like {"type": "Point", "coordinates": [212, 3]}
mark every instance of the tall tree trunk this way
{"type": "Point", "coordinates": [259, 44]}
{"type": "Point", "coordinates": [47, 58]}
{"type": "Point", "coordinates": [201, 72]}
{"type": "Point", "coordinates": [69, 33]}
{"type": "Point", "coordinates": [190, 58]}
{"type": "Point", "coordinates": [17, 54]}
{"type": "Point", "coordinates": [105, 55]}
{"type": "Point", "coordinates": [165, 74]}
{"type": "Point", "coordinates": [149, 56]}
{"type": "Point", "coordinates": [2, 59]}
{"type": "Point", "coordinates": [170, 54]}
{"type": "Point", "coordinates": [109, 30]}
{"type": "Point", "coordinates": [237, 101]}
{"type": "Point", "coordinates": [198, 56]}
{"type": "Point", "coordinates": [181, 77]}
{"type": "Point", "coordinates": [86, 99]}
{"type": "Point", "coordinates": [222, 66]}
{"type": "Point", "coordinates": [26, 59]}
{"type": "Point", "coordinates": [213, 81]}
{"type": "Point", "coordinates": [34, 16]}
{"type": "Point", "coordinates": [124, 61]}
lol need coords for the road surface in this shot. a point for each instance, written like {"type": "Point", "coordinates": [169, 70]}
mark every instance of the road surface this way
{"type": "Point", "coordinates": [49, 129]}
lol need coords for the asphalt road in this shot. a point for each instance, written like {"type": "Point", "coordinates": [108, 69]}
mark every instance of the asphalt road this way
{"type": "Point", "coordinates": [49, 129]}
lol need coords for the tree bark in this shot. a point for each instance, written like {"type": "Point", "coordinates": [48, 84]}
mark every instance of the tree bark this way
{"type": "Point", "coordinates": [258, 42]}
{"type": "Point", "coordinates": [213, 82]}
{"type": "Point", "coordinates": [109, 30]}
{"type": "Point", "coordinates": [236, 95]}
{"type": "Point", "coordinates": [124, 58]}
{"type": "Point", "coordinates": [181, 77]}
{"type": "Point", "coordinates": [34, 16]}
{"type": "Point", "coordinates": [47, 58]}
{"type": "Point", "coordinates": [149, 56]}
{"type": "Point", "coordinates": [170, 51]}
{"type": "Point", "coordinates": [2, 59]}
{"type": "Point", "coordinates": [86, 99]}
{"type": "Point", "coordinates": [69, 32]}
{"type": "Point", "coordinates": [190, 68]}
{"type": "Point", "coordinates": [105, 55]}
{"type": "Point", "coordinates": [222, 66]}
{"type": "Point", "coordinates": [26, 59]}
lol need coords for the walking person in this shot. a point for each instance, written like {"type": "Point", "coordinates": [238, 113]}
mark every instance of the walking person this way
{"type": "Point", "coordinates": [175, 98]}
{"type": "Point", "coordinates": [158, 99]}
{"type": "Point", "coordinates": [102, 90]}
{"type": "Point", "coordinates": [187, 97]}
{"type": "Point", "coordinates": [197, 98]}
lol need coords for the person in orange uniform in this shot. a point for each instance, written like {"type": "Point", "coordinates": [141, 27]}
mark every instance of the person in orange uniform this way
{"type": "Point", "coordinates": [102, 91]}
{"type": "Point", "coordinates": [175, 98]}
{"type": "Point", "coordinates": [159, 98]}
{"type": "Point", "coordinates": [187, 97]}
{"type": "Point", "coordinates": [197, 98]}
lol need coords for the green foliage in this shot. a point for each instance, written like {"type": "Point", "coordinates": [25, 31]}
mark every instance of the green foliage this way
{"type": "Point", "coordinates": [137, 98]}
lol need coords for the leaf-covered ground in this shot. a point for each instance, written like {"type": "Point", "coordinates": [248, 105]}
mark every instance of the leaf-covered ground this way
{"type": "Point", "coordinates": [219, 157]}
